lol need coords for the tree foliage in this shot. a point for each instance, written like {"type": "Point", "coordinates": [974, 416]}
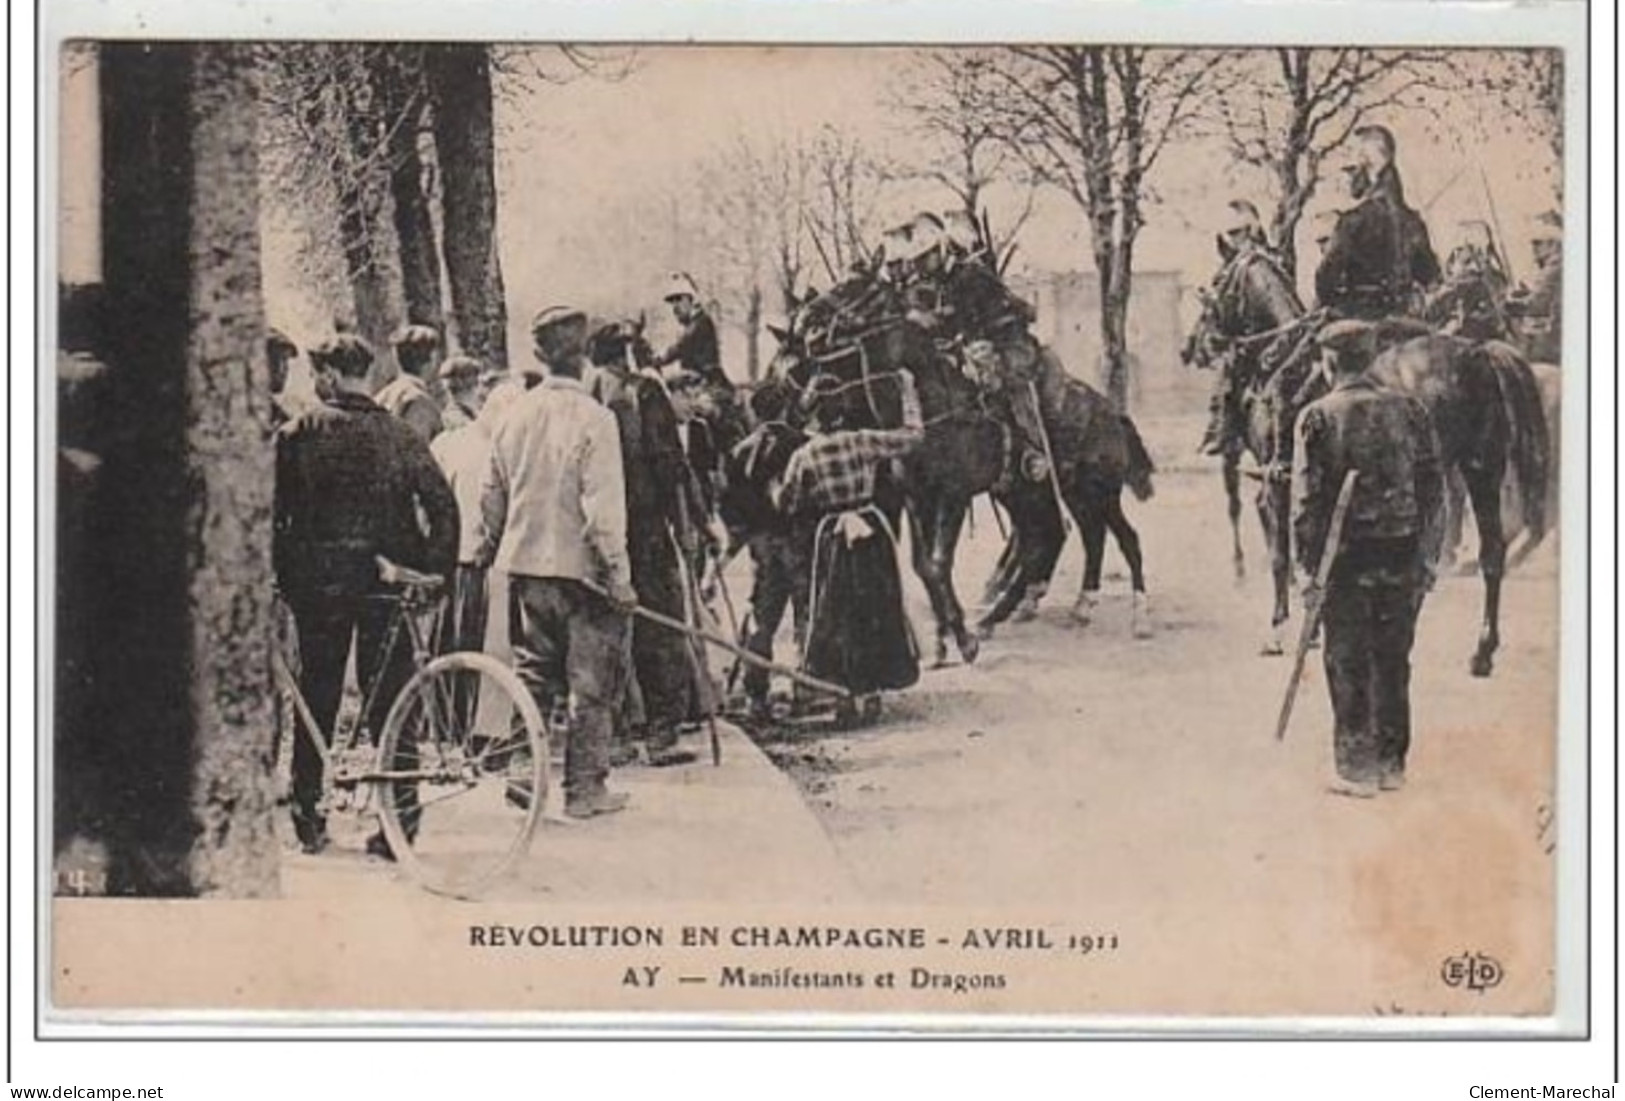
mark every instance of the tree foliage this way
{"type": "Point", "coordinates": [949, 101]}
{"type": "Point", "coordinates": [1093, 121]}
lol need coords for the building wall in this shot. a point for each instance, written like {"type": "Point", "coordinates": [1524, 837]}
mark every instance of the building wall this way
{"type": "Point", "coordinates": [1069, 321]}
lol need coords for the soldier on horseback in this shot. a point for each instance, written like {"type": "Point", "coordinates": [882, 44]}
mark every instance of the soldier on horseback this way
{"type": "Point", "coordinates": [1379, 261]}
{"type": "Point", "coordinates": [1242, 243]}
{"type": "Point", "coordinates": [1538, 310]}
{"type": "Point", "coordinates": [959, 298]}
{"type": "Point", "coordinates": [1471, 301]}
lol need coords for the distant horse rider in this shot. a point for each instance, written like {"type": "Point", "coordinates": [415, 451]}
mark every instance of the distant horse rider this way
{"type": "Point", "coordinates": [1539, 310]}
{"type": "Point", "coordinates": [858, 634]}
{"type": "Point", "coordinates": [960, 299]}
{"type": "Point", "coordinates": [1241, 244]}
{"type": "Point", "coordinates": [1379, 262]}
{"type": "Point", "coordinates": [696, 348]}
{"type": "Point", "coordinates": [1386, 557]}
{"type": "Point", "coordinates": [696, 353]}
{"type": "Point", "coordinates": [1471, 301]}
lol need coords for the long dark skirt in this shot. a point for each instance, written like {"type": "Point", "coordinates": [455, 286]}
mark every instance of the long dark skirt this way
{"type": "Point", "coordinates": [858, 634]}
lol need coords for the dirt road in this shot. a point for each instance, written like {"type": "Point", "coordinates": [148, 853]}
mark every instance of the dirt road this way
{"type": "Point", "coordinates": [1078, 769]}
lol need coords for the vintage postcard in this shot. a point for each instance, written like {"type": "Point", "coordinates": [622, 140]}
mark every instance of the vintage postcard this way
{"type": "Point", "coordinates": [1037, 534]}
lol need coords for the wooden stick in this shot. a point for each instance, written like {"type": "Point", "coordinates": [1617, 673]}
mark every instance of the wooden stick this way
{"type": "Point", "coordinates": [744, 655]}
{"type": "Point", "coordinates": [1049, 457]}
{"type": "Point", "coordinates": [1311, 614]}
{"type": "Point", "coordinates": [696, 653]}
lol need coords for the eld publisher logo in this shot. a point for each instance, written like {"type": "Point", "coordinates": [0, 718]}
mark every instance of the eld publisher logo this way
{"type": "Point", "coordinates": [1474, 970]}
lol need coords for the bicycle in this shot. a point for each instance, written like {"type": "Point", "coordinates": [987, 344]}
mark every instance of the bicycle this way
{"type": "Point", "coordinates": [458, 775]}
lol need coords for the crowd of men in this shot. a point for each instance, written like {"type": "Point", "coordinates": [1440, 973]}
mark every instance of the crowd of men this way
{"type": "Point", "coordinates": [455, 467]}
{"type": "Point", "coordinates": [591, 477]}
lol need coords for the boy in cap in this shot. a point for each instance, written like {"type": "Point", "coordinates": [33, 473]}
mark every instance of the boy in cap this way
{"type": "Point", "coordinates": [408, 396]}
{"type": "Point", "coordinates": [1386, 555]}
{"type": "Point", "coordinates": [462, 378]}
{"type": "Point", "coordinates": [553, 516]}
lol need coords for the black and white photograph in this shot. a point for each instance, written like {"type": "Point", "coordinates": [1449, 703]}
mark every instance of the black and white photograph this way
{"type": "Point", "coordinates": [1063, 530]}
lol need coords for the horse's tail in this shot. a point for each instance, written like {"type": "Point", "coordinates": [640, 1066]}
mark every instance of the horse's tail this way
{"type": "Point", "coordinates": [1531, 450]}
{"type": "Point", "coordinates": [1140, 466]}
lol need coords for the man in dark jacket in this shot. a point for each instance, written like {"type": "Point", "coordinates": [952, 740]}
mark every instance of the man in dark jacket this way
{"type": "Point", "coordinates": [1386, 557]}
{"type": "Point", "coordinates": [696, 348]}
{"type": "Point", "coordinates": [663, 505]}
{"type": "Point", "coordinates": [351, 483]}
{"type": "Point", "coordinates": [1379, 260]}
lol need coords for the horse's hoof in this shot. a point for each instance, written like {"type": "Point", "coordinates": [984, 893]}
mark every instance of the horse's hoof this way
{"type": "Point", "coordinates": [1083, 613]}
{"type": "Point", "coordinates": [1140, 625]}
{"type": "Point", "coordinates": [1482, 665]}
{"type": "Point", "coordinates": [969, 647]}
{"type": "Point", "coordinates": [941, 655]}
{"type": "Point", "coordinates": [1025, 612]}
{"type": "Point", "coordinates": [985, 630]}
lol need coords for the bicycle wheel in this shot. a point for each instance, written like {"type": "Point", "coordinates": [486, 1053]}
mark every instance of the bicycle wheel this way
{"type": "Point", "coordinates": [462, 766]}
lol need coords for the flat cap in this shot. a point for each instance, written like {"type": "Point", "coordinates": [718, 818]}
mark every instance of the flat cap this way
{"type": "Point", "coordinates": [347, 354]}
{"type": "Point", "coordinates": [460, 367]}
{"type": "Point", "coordinates": [1347, 335]}
{"type": "Point", "coordinates": [555, 315]}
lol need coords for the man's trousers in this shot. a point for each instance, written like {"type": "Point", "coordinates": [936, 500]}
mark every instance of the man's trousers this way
{"type": "Point", "coordinates": [570, 640]}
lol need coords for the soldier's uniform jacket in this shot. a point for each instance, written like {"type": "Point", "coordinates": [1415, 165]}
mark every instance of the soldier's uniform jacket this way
{"type": "Point", "coordinates": [1388, 438]}
{"type": "Point", "coordinates": [696, 350]}
{"type": "Point", "coordinates": [1378, 255]}
{"type": "Point", "coordinates": [975, 304]}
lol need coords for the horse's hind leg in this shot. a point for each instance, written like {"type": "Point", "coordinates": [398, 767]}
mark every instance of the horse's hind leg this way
{"type": "Point", "coordinates": [1128, 541]}
{"type": "Point", "coordinates": [1484, 487]}
{"type": "Point", "coordinates": [1087, 510]}
{"type": "Point", "coordinates": [950, 523]}
{"type": "Point", "coordinates": [1273, 499]}
{"type": "Point", "coordinates": [1232, 494]}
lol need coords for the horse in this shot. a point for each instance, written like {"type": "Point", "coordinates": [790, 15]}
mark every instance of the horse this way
{"type": "Point", "coordinates": [1097, 452]}
{"type": "Point", "coordinates": [1482, 399]}
{"type": "Point", "coordinates": [1252, 317]}
{"type": "Point", "coordinates": [861, 338]}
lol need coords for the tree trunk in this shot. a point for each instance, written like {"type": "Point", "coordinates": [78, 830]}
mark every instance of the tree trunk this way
{"type": "Point", "coordinates": [1116, 286]}
{"type": "Point", "coordinates": [414, 226]}
{"type": "Point", "coordinates": [1114, 341]}
{"type": "Point", "coordinates": [362, 225]}
{"type": "Point", "coordinates": [178, 628]}
{"type": "Point", "coordinates": [753, 332]}
{"type": "Point", "coordinates": [370, 317]}
{"type": "Point", "coordinates": [460, 89]}
{"type": "Point", "coordinates": [1295, 196]}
